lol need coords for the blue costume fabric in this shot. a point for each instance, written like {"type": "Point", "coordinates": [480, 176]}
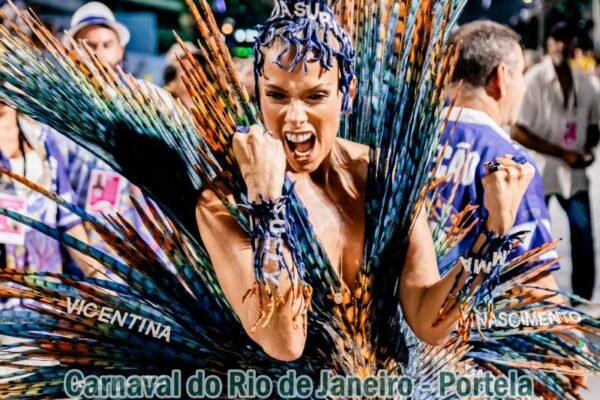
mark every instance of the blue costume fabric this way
{"type": "Point", "coordinates": [474, 139]}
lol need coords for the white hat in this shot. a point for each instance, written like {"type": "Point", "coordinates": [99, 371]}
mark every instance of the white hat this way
{"type": "Point", "coordinates": [95, 13]}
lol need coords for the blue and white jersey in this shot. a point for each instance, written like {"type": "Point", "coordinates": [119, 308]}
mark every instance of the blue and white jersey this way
{"type": "Point", "coordinates": [473, 140]}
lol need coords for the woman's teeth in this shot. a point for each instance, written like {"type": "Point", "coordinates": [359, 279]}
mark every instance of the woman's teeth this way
{"type": "Point", "coordinates": [301, 144]}
{"type": "Point", "coordinates": [298, 138]}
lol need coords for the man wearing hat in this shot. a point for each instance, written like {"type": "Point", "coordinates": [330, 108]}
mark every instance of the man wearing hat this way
{"type": "Point", "coordinates": [559, 119]}
{"type": "Point", "coordinates": [95, 24]}
{"type": "Point", "coordinates": [99, 189]}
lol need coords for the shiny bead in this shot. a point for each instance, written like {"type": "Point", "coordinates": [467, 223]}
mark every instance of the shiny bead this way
{"type": "Point", "coordinates": [338, 298]}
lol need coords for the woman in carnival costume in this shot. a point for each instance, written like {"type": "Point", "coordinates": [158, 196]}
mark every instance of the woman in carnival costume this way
{"type": "Point", "coordinates": [303, 85]}
{"type": "Point", "coordinates": [309, 244]}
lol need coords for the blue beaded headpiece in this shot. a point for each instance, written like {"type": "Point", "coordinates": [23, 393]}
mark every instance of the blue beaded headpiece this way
{"type": "Point", "coordinates": [310, 32]}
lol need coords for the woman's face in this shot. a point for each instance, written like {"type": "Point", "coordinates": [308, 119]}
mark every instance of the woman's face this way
{"type": "Point", "coordinates": [301, 108]}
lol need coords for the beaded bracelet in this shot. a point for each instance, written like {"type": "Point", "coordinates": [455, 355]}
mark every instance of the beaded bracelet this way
{"type": "Point", "coordinates": [270, 231]}
{"type": "Point", "coordinates": [269, 228]}
{"type": "Point", "coordinates": [488, 259]}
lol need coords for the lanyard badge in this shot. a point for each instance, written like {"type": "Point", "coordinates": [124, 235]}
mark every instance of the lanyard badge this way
{"type": "Point", "coordinates": [12, 232]}
{"type": "Point", "coordinates": [103, 192]}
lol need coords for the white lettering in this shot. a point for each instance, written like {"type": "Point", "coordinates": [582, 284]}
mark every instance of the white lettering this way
{"type": "Point", "coordinates": [283, 9]}
{"type": "Point", "coordinates": [456, 164]}
{"type": "Point", "coordinates": [103, 317]}
{"type": "Point", "coordinates": [300, 9]}
{"type": "Point", "coordinates": [166, 333]}
{"type": "Point", "coordinates": [134, 319]}
{"type": "Point", "coordinates": [153, 328]}
{"type": "Point", "coordinates": [121, 318]}
{"type": "Point", "coordinates": [109, 315]}
{"type": "Point", "coordinates": [90, 313]}
{"type": "Point", "coordinates": [72, 305]}
{"type": "Point", "coordinates": [468, 175]}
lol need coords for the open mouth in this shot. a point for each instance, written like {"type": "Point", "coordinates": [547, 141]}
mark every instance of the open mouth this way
{"type": "Point", "coordinates": [301, 144]}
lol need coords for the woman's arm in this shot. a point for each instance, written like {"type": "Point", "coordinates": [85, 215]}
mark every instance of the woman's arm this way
{"type": "Point", "coordinates": [422, 292]}
{"type": "Point", "coordinates": [230, 251]}
{"type": "Point", "coordinates": [274, 314]}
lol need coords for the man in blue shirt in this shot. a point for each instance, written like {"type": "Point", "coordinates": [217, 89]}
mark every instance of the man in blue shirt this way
{"type": "Point", "coordinates": [488, 88]}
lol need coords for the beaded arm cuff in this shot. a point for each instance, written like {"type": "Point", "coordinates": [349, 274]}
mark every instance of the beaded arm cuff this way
{"type": "Point", "coordinates": [483, 263]}
{"type": "Point", "coordinates": [271, 232]}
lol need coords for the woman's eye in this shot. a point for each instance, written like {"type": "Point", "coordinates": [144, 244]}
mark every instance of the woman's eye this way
{"type": "Point", "coordinates": [276, 95]}
{"type": "Point", "coordinates": [318, 96]}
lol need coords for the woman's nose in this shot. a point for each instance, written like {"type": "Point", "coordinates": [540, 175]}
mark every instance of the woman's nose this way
{"type": "Point", "coordinates": [296, 114]}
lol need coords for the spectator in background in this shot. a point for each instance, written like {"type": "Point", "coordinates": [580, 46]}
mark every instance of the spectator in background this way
{"type": "Point", "coordinates": [95, 24]}
{"type": "Point", "coordinates": [172, 76]}
{"type": "Point", "coordinates": [245, 67]}
{"type": "Point", "coordinates": [10, 15]}
{"type": "Point", "coordinates": [28, 148]}
{"type": "Point", "coordinates": [583, 55]}
{"type": "Point", "coordinates": [532, 57]}
{"type": "Point", "coordinates": [559, 119]}
{"type": "Point", "coordinates": [174, 72]}
{"type": "Point", "coordinates": [584, 60]}
{"type": "Point", "coordinates": [488, 88]}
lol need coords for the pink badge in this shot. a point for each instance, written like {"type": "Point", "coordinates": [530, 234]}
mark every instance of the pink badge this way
{"type": "Point", "coordinates": [12, 232]}
{"type": "Point", "coordinates": [569, 140]}
{"type": "Point", "coordinates": [103, 192]}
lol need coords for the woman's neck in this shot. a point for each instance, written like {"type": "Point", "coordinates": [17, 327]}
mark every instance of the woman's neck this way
{"type": "Point", "coordinates": [335, 176]}
{"type": "Point", "coordinates": [329, 174]}
{"type": "Point", "coordinates": [322, 175]}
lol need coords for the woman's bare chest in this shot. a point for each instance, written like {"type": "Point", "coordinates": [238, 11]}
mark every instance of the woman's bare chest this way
{"type": "Point", "coordinates": [339, 225]}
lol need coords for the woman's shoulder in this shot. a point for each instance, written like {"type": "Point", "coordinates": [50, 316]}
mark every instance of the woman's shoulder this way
{"type": "Point", "coordinates": [352, 160]}
{"type": "Point", "coordinates": [350, 152]}
{"type": "Point", "coordinates": [210, 203]}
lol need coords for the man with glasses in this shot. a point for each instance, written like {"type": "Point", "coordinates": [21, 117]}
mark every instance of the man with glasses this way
{"type": "Point", "coordinates": [559, 119]}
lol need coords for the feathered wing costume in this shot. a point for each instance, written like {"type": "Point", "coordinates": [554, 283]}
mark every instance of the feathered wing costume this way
{"type": "Point", "coordinates": [162, 319]}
